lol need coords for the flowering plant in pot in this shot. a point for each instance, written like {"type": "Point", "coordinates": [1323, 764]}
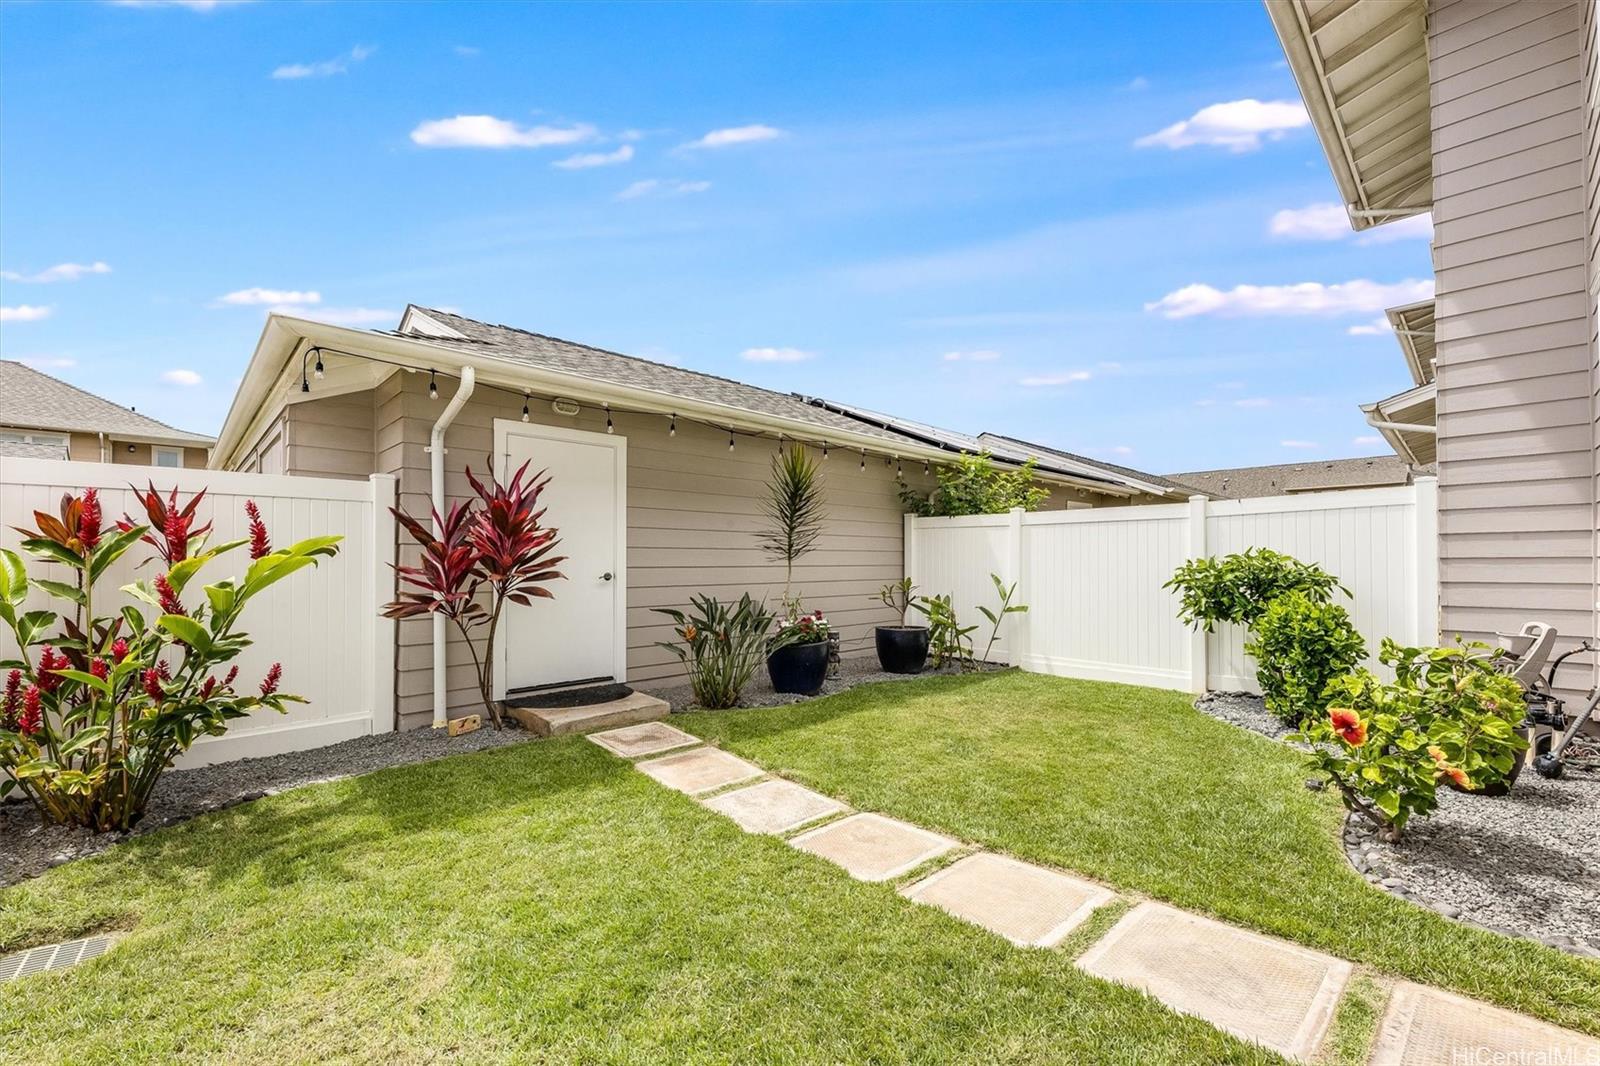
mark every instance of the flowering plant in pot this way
{"type": "Point", "coordinates": [902, 649]}
{"type": "Point", "coordinates": [797, 655]}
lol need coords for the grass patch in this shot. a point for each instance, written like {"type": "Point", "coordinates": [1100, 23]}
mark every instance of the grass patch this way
{"type": "Point", "coordinates": [542, 903]}
{"type": "Point", "coordinates": [1134, 787]}
{"type": "Point", "coordinates": [1355, 1026]}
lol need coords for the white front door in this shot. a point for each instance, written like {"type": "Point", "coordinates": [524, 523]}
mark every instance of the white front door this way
{"type": "Point", "coordinates": [578, 635]}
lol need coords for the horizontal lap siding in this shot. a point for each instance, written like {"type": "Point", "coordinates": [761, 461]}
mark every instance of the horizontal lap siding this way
{"type": "Point", "coordinates": [330, 437]}
{"type": "Point", "coordinates": [1513, 180]}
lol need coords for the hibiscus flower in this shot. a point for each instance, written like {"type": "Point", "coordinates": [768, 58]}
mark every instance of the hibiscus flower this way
{"type": "Point", "coordinates": [1348, 724]}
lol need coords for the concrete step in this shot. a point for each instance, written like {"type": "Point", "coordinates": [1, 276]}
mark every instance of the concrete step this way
{"type": "Point", "coordinates": [560, 721]}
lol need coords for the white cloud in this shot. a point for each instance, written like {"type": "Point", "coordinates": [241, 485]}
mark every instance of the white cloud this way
{"type": "Point", "coordinates": [466, 51]}
{"type": "Point", "coordinates": [1239, 125]}
{"type": "Point", "coordinates": [660, 187]}
{"type": "Point", "coordinates": [1360, 296]}
{"type": "Point", "coordinates": [281, 297]}
{"type": "Point", "coordinates": [585, 160]}
{"type": "Point", "coordinates": [59, 272]}
{"type": "Point", "coordinates": [1299, 444]}
{"type": "Point", "coordinates": [1366, 440]}
{"type": "Point", "coordinates": [325, 68]}
{"type": "Point", "coordinates": [486, 131]}
{"type": "Point", "coordinates": [1045, 381]}
{"type": "Point", "coordinates": [186, 378]}
{"type": "Point", "coordinates": [776, 355]}
{"type": "Point", "coordinates": [1121, 450]}
{"type": "Point", "coordinates": [24, 313]}
{"type": "Point", "coordinates": [191, 5]}
{"type": "Point", "coordinates": [1378, 327]}
{"type": "Point", "coordinates": [980, 355]}
{"type": "Point", "coordinates": [345, 316]}
{"type": "Point", "coordinates": [736, 135]}
{"type": "Point", "coordinates": [1137, 84]}
{"type": "Point", "coordinates": [1329, 222]}
{"type": "Point", "coordinates": [49, 362]}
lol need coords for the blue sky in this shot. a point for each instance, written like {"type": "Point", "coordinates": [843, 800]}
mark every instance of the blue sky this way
{"type": "Point", "coordinates": [1100, 226]}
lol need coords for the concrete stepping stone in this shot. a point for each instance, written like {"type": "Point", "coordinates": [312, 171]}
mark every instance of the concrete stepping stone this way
{"type": "Point", "coordinates": [871, 847]}
{"type": "Point", "coordinates": [1028, 905]}
{"type": "Point", "coordinates": [1424, 1026]}
{"type": "Point", "coordinates": [1276, 994]}
{"type": "Point", "coordinates": [647, 738]}
{"type": "Point", "coordinates": [699, 771]}
{"type": "Point", "coordinates": [774, 806]}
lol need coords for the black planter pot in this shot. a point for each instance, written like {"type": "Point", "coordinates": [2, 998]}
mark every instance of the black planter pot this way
{"type": "Point", "coordinates": [902, 649]}
{"type": "Point", "coordinates": [799, 668]}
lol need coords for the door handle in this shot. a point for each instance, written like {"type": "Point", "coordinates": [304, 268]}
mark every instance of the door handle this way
{"type": "Point", "coordinates": [606, 576]}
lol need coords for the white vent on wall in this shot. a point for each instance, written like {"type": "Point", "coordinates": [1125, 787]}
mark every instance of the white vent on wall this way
{"type": "Point", "coordinates": [52, 957]}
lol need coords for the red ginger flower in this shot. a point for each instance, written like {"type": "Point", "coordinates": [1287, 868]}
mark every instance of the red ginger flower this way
{"type": "Point", "coordinates": [233, 672]}
{"type": "Point", "coordinates": [11, 700]}
{"type": "Point", "coordinates": [90, 520]}
{"type": "Point", "coordinates": [48, 679]}
{"type": "Point", "coordinates": [259, 543]}
{"type": "Point", "coordinates": [170, 603]}
{"type": "Point", "coordinates": [119, 649]}
{"type": "Point", "coordinates": [152, 685]}
{"type": "Point", "coordinates": [163, 671]}
{"type": "Point", "coordinates": [1348, 724]}
{"type": "Point", "coordinates": [99, 668]}
{"type": "Point", "coordinates": [32, 714]}
{"type": "Point", "coordinates": [269, 684]}
{"type": "Point", "coordinates": [176, 531]}
{"type": "Point", "coordinates": [207, 688]}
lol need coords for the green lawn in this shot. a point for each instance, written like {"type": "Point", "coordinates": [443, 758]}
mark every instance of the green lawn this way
{"type": "Point", "coordinates": [540, 903]}
{"type": "Point", "coordinates": [1134, 787]}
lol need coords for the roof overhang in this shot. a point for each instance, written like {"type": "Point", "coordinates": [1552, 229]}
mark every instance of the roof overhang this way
{"type": "Point", "coordinates": [1407, 422]}
{"type": "Point", "coordinates": [1413, 328]}
{"type": "Point", "coordinates": [273, 374]}
{"type": "Point", "coordinates": [1362, 68]}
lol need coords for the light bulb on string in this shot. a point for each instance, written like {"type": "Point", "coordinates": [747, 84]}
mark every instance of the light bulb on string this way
{"type": "Point", "coordinates": [317, 370]}
{"type": "Point", "coordinates": [609, 427]}
{"type": "Point", "coordinates": [525, 412]}
{"type": "Point", "coordinates": [672, 427]}
{"type": "Point", "coordinates": [730, 440]}
{"type": "Point", "coordinates": [863, 459]}
{"type": "Point", "coordinates": [433, 386]}
{"type": "Point", "coordinates": [899, 471]}
{"type": "Point", "coordinates": [824, 451]}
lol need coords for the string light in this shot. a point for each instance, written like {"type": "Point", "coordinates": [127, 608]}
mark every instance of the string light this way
{"type": "Point", "coordinates": [924, 468]}
{"type": "Point", "coordinates": [730, 440]}
{"type": "Point", "coordinates": [672, 426]}
{"type": "Point", "coordinates": [824, 451]}
{"type": "Point", "coordinates": [863, 459]}
{"type": "Point", "coordinates": [317, 372]}
{"type": "Point", "coordinates": [609, 427]}
{"type": "Point", "coordinates": [899, 471]}
{"type": "Point", "coordinates": [525, 412]}
{"type": "Point", "coordinates": [433, 386]}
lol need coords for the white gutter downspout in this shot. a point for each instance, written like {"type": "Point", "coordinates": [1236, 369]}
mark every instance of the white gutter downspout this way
{"type": "Point", "coordinates": [1403, 427]}
{"type": "Point", "coordinates": [436, 453]}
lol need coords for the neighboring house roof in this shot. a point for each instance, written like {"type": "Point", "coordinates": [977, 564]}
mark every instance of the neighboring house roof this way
{"type": "Point", "coordinates": [18, 449]}
{"type": "Point", "coordinates": [1284, 479]}
{"type": "Point", "coordinates": [33, 400]}
{"type": "Point", "coordinates": [1362, 67]}
{"type": "Point", "coordinates": [1055, 457]}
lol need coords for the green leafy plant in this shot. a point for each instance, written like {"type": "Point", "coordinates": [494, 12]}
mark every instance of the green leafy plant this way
{"type": "Point", "coordinates": [719, 645]}
{"type": "Point", "coordinates": [898, 596]}
{"type": "Point", "coordinates": [1237, 588]}
{"type": "Point", "coordinates": [794, 513]}
{"type": "Point", "coordinates": [1449, 715]}
{"type": "Point", "coordinates": [97, 706]}
{"type": "Point", "coordinates": [997, 616]}
{"type": "Point", "coordinates": [948, 640]}
{"type": "Point", "coordinates": [974, 485]}
{"type": "Point", "coordinates": [1300, 646]}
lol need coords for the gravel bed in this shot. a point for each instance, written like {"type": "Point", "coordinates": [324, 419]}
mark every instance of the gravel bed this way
{"type": "Point", "coordinates": [28, 847]}
{"type": "Point", "coordinates": [852, 672]}
{"type": "Point", "coordinates": [1525, 864]}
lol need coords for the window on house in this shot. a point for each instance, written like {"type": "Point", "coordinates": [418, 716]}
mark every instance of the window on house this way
{"type": "Point", "coordinates": [21, 437]}
{"type": "Point", "coordinates": [167, 456]}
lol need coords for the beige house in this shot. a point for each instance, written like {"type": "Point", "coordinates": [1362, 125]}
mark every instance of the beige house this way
{"type": "Point", "coordinates": [42, 417]}
{"type": "Point", "coordinates": [1290, 479]}
{"type": "Point", "coordinates": [1487, 114]}
{"type": "Point", "coordinates": [657, 477]}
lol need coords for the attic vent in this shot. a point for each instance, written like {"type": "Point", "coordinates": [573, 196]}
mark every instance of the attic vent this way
{"type": "Point", "coordinates": [563, 406]}
{"type": "Point", "coordinates": [52, 957]}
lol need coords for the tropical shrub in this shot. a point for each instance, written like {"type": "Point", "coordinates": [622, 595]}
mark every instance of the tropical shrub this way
{"type": "Point", "coordinates": [1448, 715]}
{"type": "Point", "coordinates": [97, 706]}
{"type": "Point", "coordinates": [1300, 645]}
{"type": "Point", "coordinates": [794, 514]}
{"type": "Point", "coordinates": [997, 616]}
{"type": "Point", "coordinates": [898, 596]}
{"type": "Point", "coordinates": [720, 646]}
{"type": "Point", "coordinates": [492, 547]}
{"type": "Point", "coordinates": [974, 485]}
{"type": "Point", "coordinates": [948, 640]}
{"type": "Point", "coordinates": [1237, 588]}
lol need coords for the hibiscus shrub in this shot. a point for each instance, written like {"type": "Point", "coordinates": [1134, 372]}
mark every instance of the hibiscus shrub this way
{"type": "Point", "coordinates": [1448, 715]}
{"type": "Point", "coordinates": [1300, 645]}
{"type": "Point", "coordinates": [97, 705]}
{"type": "Point", "coordinates": [1238, 588]}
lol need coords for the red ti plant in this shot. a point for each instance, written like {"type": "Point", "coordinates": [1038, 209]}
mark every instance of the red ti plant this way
{"type": "Point", "coordinates": [169, 529]}
{"type": "Point", "coordinates": [494, 547]}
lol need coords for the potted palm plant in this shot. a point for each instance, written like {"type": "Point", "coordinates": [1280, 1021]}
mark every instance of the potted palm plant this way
{"type": "Point", "coordinates": [797, 658]}
{"type": "Point", "coordinates": [902, 649]}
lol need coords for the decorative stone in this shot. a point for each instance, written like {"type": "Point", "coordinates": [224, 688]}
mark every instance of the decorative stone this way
{"type": "Point", "coordinates": [1028, 905]}
{"type": "Point", "coordinates": [873, 848]}
{"type": "Point", "coordinates": [774, 806]}
{"type": "Point", "coordinates": [1426, 1026]}
{"type": "Point", "coordinates": [646, 738]}
{"type": "Point", "coordinates": [699, 771]}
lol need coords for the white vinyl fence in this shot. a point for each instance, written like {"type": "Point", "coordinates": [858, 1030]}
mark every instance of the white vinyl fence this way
{"type": "Point", "coordinates": [1092, 578]}
{"type": "Point", "coordinates": [322, 624]}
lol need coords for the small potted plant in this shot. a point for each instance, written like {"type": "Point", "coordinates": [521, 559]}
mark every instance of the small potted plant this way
{"type": "Point", "coordinates": [797, 656]}
{"type": "Point", "coordinates": [902, 649]}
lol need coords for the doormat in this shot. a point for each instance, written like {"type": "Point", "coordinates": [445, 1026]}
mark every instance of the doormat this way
{"type": "Point", "coordinates": [571, 697]}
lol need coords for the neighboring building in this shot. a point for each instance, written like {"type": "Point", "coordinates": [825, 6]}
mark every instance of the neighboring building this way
{"type": "Point", "coordinates": [42, 417]}
{"type": "Point", "coordinates": [658, 474]}
{"type": "Point", "coordinates": [1285, 479]}
{"type": "Point", "coordinates": [1487, 114]}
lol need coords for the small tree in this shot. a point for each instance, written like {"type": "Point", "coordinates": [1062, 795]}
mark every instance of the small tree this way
{"type": "Point", "coordinates": [793, 509]}
{"type": "Point", "coordinates": [1237, 588]}
{"type": "Point", "coordinates": [1300, 646]}
{"type": "Point", "coordinates": [493, 548]}
{"type": "Point", "coordinates": [976, 486]}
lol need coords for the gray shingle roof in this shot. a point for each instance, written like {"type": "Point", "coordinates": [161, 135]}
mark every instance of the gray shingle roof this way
{"type": "Point", "coordinates": [1245, 482]}
{"type": "Point", "coordinates": [1044, 455]}
{"type": "Point", "coordinates": [33, 400]}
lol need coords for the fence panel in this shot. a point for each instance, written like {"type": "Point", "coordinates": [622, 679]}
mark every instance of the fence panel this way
{"type": "Point", "coordinates": [1092, 579]}
{"type": "Point", "coordinates": [321, 624]}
